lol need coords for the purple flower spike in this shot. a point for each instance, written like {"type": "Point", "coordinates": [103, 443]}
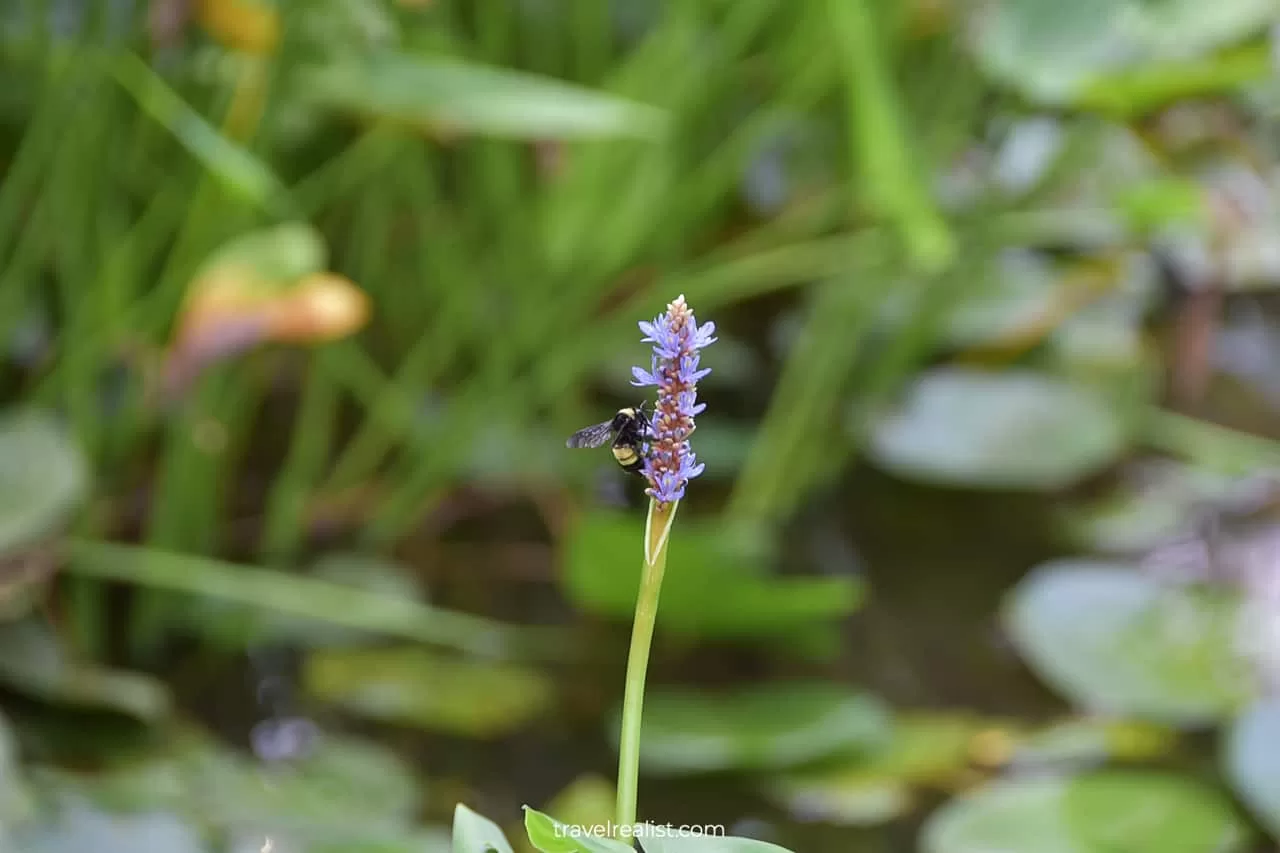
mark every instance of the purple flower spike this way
{"type": "Point", "coordinates": [676, 337]}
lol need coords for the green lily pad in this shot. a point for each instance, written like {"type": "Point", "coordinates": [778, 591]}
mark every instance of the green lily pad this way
{"type": "Point", "coordinates": [43, 477]}
{"type": "Point", "coordinates": [1013, 429]}
{"type": "Point", "coordinates": [345, 789]}
{"type": "Point", "coordinates": [475, 833]}
{"type": "Point", "coordinates": [1115, 641]}
{"type": "Point", "coordinates": [763, 727]}
{"type": "Point", "coordinates": [32, 661]}
{"type": "Point", "coordinates": [1155, 507]}
{"type": "Point", "coordinates": [1023, 293]}
{"type": "Point", "coordinates": [138, 783]}
{"type": "Point", "coordinates": [408, 841]}
{"type": "Point", "coordinates": [1020, 290]}
{"type": "Point", "coordinates": [852, 797]}
{"type": "Point", "coordinates": [715, 585]}
{"type": "Point", "coordinates": [923, 749]}
{"type": "Point", "coordinates": [1094, 741]}
{"type": "Point", "coordinates": [1137, 812]}
{"type": "Point", "coordinates": [78, 826]}
{"type": "Point", "coordinates": [1252, 758]}
{"type": "Point", "coordinates": [343, 795]}
{"type": "Point", "coordinates": [414, 686]}
{"type": "Point", "coordinates": [466, 97]}
{"type": "Point", "coordinates": [1058, 52]}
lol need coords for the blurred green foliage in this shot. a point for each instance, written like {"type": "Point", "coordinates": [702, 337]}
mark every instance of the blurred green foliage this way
{"type": "Point", "coordinates": [299, 300]}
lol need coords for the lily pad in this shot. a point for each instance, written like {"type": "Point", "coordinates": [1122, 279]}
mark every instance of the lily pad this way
{"type": "Point", "coordinates": [1155, 506]}
{"type": "Point", "coordinates": [456, 96]}
{"type": "Point", "coordinates": [923, 750]}
{"type": "Point", "coordinates": [1252, 758]}
{"type": "Point", "coordinates": [32, 661]}
{"type": "Point", "coordinates": [1138, 812]}
{"type": "Point", "coordinates": [43, 477]}
{"type": "Point", "coordinates": [1019, 293]}
{"type": "Point", "coordinates": [763, 727]}
{"type": "Point", "coordinates": [1014, 429]}
{"type": "Point", "coordinates": [343, 795]}
{"type": "Point", "coordinates": [408, 841]}
{"type": "Point", "coordinates": [345, 789]}
{"type": "Point", "coordinates": [79, 827]}
{"type": "Point", "coordinates": [715, 587]}
{"type": "Point", "coordinates": [1093, 741]}
{"type": "Point", "coordinates": [1024, 294]}
{"type": "Point", "coordinates": [414, 686]}
{"type": "Point", "coordinates": [1059, 52]}
{"type": "Point", "coordinates": [1116, 641]}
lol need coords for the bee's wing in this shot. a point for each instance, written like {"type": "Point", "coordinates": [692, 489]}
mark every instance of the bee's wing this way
{"type": "Point", "coordinates": [592, 436]}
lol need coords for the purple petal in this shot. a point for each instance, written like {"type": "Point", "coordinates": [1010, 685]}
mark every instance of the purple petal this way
{"type": "Point", "coordinates": [643, 377]}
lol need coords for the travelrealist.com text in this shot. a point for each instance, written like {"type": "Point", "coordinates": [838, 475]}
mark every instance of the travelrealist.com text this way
{"type": "Point", "coordinates": [638, 830]}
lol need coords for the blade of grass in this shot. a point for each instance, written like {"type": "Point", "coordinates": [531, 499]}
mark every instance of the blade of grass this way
{"type": "Point", "coordinates": [29, 166]}
{"type": "Point", "coordinates": [314, 599]}
{"type": "Point", "coordinates": [284, 527]}
{"type": "Point", "coordinates": [201, 447]}
{"type": "Point", "coordinates": [798, 431]}
{"type": "Point", "coordinates": [235, 168]}
{"type": "Point", "coordinates": [881, 144]}
{"type": "Point", "coordinates": [1211, 445]}
{"type": "Point", "coordinates": [357, 165]}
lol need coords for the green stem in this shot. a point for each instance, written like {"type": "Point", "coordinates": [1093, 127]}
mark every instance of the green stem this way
{"type": "Point", "coordinates": [657, 530]}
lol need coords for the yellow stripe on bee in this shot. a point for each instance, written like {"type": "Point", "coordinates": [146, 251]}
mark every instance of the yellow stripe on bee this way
{"type": "Point", "coordinates": [624, 455]}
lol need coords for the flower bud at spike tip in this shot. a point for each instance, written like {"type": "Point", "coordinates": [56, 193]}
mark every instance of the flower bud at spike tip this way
{"type": "Point", "coordinates": [670, 463]}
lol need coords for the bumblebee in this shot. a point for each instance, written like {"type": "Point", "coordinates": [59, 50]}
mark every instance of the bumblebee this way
{"type": "Point", "coordinates": [628, 429]}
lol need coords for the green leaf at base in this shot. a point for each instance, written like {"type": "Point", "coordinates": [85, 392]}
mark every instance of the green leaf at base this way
{"type": "Point", "coordinates": [551, 836]}
{"type": "Point", "coordinates": [475, 833]}
{"type": "Point", "coordinates": [655, 843]}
